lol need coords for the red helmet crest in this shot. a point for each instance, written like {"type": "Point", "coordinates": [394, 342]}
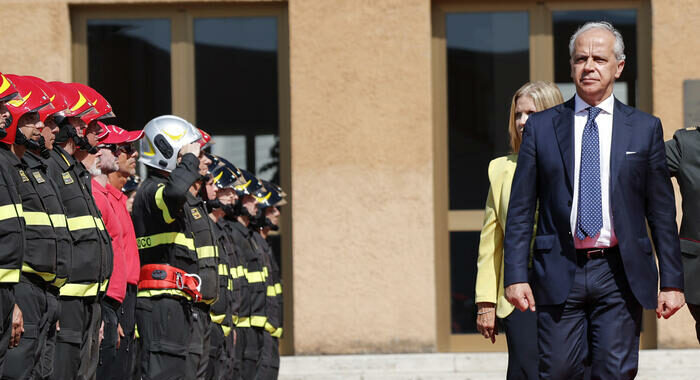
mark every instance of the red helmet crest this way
{"type": "Point", "coordinates": [102, 106]}
{"type": "Point", "coordinates": [7, 89]}
{"type": "Point", "coordinates": [59, 103]}
{"type": "Point", "coordinates": [31, 99]}
{"type": "Point", "coordinates": [78, 103]}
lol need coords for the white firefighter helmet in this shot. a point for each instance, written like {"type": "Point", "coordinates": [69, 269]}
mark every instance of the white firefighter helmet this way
{"type": "Point", "coordinates": [163, 138]}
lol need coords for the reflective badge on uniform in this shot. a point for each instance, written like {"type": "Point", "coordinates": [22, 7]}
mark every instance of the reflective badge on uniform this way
{"type": "Point", "coordinates": [38, 177]}
{"type": "Point", "coordinates": [23, 175]}
{"type": "Point", "coordinates": [196, 213]}
{"type": "Point", "coordinates": [67, 179]}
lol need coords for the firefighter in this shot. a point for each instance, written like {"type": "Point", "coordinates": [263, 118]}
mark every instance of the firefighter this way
{"type": "Point", "coordinates": [169, 282]}
{"type": "Point", "coordinates": [269, 200]}
{"type": "Point", "coordinates": [121, 142]}
{"type": "Point", "coordinates": [221, 198]}
{"type": "Point", "coordinates": [51, 197]}
{"type": "Point", "coordinates": [251, 320]}
{"type": "Point", "coordinates": [77, 345]}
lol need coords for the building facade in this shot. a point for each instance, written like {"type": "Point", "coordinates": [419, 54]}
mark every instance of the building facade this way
{"type": "Point", "coordinates": [378, 117]}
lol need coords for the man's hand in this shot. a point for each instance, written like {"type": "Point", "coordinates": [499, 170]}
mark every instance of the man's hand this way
{"type": "Point", "coordinates": [120, 334]}
{"type": "Point", "coordinates": [101, 335]}
{"type": "Point", "coordinates": [17, 327]}
{"type": "Point", "coordinates": [670, 301]}
{"type": "Point", "coordinates": [190, 148]}
{"type": "Point", "coordinates": [520, 296]}
{"type": "Point", "coordinates": [486, 320]}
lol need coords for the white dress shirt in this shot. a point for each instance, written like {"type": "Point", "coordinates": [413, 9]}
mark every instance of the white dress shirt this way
{"type": "Point", "coordinates": [606, 237]}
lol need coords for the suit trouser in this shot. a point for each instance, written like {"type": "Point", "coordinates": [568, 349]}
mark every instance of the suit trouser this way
{"type": "Point", "coordinates": [199, 346]}
{"type": "Point", "coordinates": [251, 352]}
{"type": "Point", "coordinates": [48, 346]}
{"type": "Point", "coordinates": [77, 348]}
{"type": "Point", "coordinates": [7, 305]}
{"type": "Point", "coordinates": [24, 361]}
{"type": "Point", "coordinates": [165, 326]}
{"type": "Point", "coordinates": [600, 320]}
{"type": "Point", "coordinates": [270, 358]}
{"type": "Point", "coordinates": [126, 353]}
{"type": "Point", "coordinates": [521, 336]}
{"type": "Point", "coordinates": [108, 364]}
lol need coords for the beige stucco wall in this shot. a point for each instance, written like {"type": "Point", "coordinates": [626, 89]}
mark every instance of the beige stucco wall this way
{"type": "Point", "coordinates": [675, 57]}
{"type": "Point", "coordinates": [361, 173]}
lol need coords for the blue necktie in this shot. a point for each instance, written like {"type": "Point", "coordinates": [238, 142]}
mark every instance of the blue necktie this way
{"type": "Point", "coordinates": [590, 211]}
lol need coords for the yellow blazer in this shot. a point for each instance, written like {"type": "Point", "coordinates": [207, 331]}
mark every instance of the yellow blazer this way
{"type": "Point", "coordinates": [489, 276]}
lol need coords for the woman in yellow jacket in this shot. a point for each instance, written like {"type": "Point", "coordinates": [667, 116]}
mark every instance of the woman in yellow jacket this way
{"type": "Point", "coordinates": [520, 327]}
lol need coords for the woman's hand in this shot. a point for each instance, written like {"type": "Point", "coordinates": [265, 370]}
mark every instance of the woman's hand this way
{"type": "Point", "coordinates": [486, 320]}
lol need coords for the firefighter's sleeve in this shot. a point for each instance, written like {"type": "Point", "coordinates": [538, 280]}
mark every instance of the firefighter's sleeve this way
{"type": "Point", "coordinates": [170, 197]}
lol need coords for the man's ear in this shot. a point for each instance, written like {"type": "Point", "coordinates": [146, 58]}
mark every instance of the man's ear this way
{"type": "Point", "coordinates": [620, 66]}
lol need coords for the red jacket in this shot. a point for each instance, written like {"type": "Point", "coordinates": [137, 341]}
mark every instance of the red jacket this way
{"type": "Point", "coordinates": [131, 251]}
{"type": "Point", "coordinates": [117, 283]}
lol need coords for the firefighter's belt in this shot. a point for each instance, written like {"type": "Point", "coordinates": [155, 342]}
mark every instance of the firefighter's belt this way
{"type": "Point", "coordinates": [163, 276]}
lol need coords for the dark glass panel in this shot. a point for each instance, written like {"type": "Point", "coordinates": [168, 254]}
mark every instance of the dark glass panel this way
{"type": "Point", "coordinates": [464, 250]}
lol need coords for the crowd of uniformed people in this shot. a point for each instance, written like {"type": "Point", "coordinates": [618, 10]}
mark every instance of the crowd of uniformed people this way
{"type": "Point", "coordinates": [103, 276]}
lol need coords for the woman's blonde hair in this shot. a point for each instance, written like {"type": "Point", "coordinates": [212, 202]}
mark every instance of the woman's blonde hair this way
{"type": "Point", "coordinates": [544, 95]}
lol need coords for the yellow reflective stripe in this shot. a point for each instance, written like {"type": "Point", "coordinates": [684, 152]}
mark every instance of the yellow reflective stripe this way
{"type": "Point", "coordinates": [103, 287]}
{"type": "Point", "coordinates": [10, 211]}
{"type": "Point", "coordinates": [271, 291]}
{"type": "Point", "coordinates": [100, 225]}
{"type": "Point", "coordinates": [230, 284]}
{"type": "Point", "coordinates": [9, 275]}
{"type": "Point", "coordinates": [20, 210]}
{"type": "Point", "coordinates": [160, 202]}
{"type": "Point", "coordinates": [223, 270]}
{"type": "Point", "coordinates": [136, 331]}
{"type": "Point", "coordinates": [46, 276]}
{"type": "Point", "coordinates": [254, 277]}
{"type": "Point", "coordinates": [59, 281]}
{"type": "Point", "coordinates": [278, 288]}
{"type": "Point", "coordinates": [160, 292]}
{"type": "Point", "coordinates": [217, 318]}
{"type": "Point", "coordinates": [258, 320]}
{"type": "Point", "coordinates": [207, 251]}
{"type": "Point", "coordinates": [226, 329]}
{"type": "Point", "coordinates": [80, 290]}
{"type": "Point", "coordinates": [165, 238]}
{"type": "Point", "coordinates": [269, 327]}
{"type": "Point", "coordinates": [81, 222]}
{"type": "Point", "coordinates": [277, 333]}
{"type": "Point", "coordinates": [265, 273]}
{"type": "Point", "coordinates": [37, 218]}
{"type": "Point", "coordinates": [242, 322]}
{"type": "Point", "coordinates": [58, 220]}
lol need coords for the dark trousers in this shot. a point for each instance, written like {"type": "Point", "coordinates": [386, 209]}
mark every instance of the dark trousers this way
{"type": "Point", "coordinates": [521, 336]}
{"type": "Point", "coordinates": [695, 312]}
{"type": "Point", "coordinates": [24, 361]}
{"type": "Point", "coordinates": [238, 346]}
{"type": "Point", "coordinates": [600, 321]}
{"type": "Point", "coordinates": [48, 346]}
{"type": "Point", "coordinates": [108, 364]}
{"type": "Point", "coordinates": [220, 364]}
{"type": "Point", "coordinates": [270, 358]}
{"type": "Point", "coordinates": [77, 345]}
{"type": "Point", "coordinates": [7, 305]}
{"type": "Point", "coordinates": [126, 353]}
{"type": "Point", "coordinates": [251, 352]}
{"type": "Point", "coordinates": [165, 326]}
{"type": "Point", "coordinates": [198, 356]}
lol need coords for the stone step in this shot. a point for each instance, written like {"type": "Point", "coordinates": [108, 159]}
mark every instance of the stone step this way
{"type": "Point", "coordinates": [653, 365]}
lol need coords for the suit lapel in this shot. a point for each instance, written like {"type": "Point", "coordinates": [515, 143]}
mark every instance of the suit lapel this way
{"type": "Point", "coordinates": [564, 129]}
{"type": "Point", "coordinates": [621, 133]}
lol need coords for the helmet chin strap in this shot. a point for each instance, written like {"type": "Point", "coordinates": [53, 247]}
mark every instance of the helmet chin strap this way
{"type": "Point", "coordinates": [21, 139]}
{"type": "Point", "coordinates": [3, 131]}
{"type": "Point", "coordinates": [44, 152]}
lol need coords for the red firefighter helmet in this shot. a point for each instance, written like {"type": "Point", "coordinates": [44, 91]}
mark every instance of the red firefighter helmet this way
{"type": "Point", "coordinates": [78, 104]}
{"type": "Point", "coordinates": [7, 89]}
{"type": "Point", "coordinates": [59, 103]}
{"type": "Point", "coordinates": [103, 108]}
{"type": "Point", "coordinates": [31, 99]}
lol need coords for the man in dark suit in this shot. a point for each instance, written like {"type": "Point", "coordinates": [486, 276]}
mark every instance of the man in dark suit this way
{"type": "Point", "coordinates": [597, 168]}
{"type": "Point", "coordinates": [683, 159]}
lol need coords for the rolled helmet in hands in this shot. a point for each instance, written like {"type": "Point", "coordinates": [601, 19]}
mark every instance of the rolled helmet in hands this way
{"type": "Point", "coordinates": [163, 138]}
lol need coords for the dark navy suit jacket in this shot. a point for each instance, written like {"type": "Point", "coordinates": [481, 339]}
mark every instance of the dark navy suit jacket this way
{"type": "Point", "coordinates": [640, 192]}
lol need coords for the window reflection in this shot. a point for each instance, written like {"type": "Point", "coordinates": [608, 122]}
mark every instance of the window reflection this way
{"type": "Point", "coordinates": [487, 60]}
{"type": "Point", "coordinates": [129, 63]}
{"type": "Point", "coordinates": [565, 24]}
{"type": "Point", "coordinates": [237, 94]}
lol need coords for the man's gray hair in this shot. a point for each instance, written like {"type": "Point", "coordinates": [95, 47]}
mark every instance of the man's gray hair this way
{"type": "Point", "coordinates": [619, 47]}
